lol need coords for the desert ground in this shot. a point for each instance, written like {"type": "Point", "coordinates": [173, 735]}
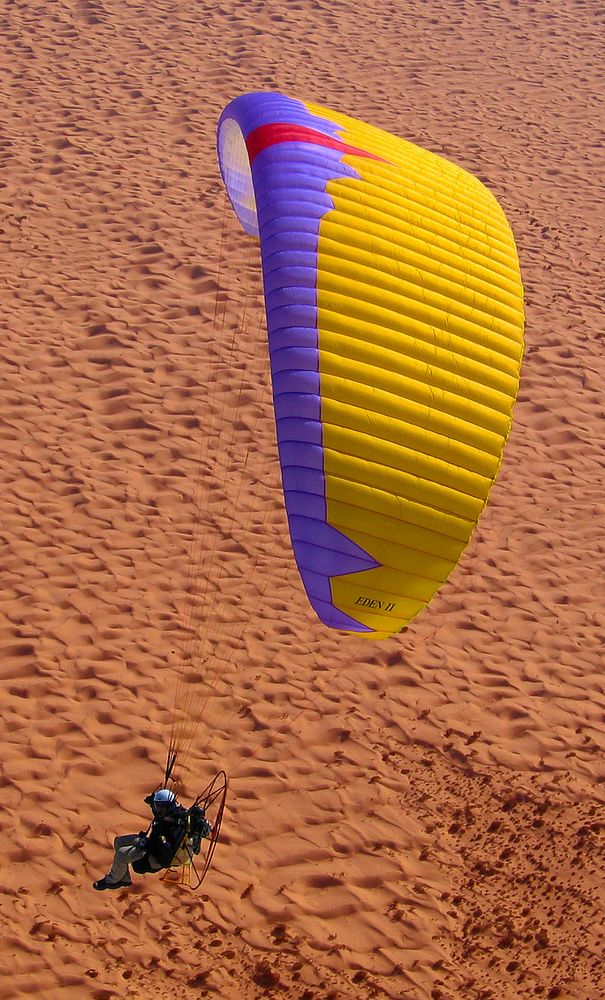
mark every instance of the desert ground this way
{"type": "Point", "coordinates": [415, 818]}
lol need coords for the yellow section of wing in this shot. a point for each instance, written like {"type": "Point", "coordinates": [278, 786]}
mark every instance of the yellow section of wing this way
{"type": "Point", "coordinates": [420, 316]}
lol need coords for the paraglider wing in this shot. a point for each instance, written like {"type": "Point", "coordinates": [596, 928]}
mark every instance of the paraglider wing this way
{"type": "Point", "coordinates": [395, 319]}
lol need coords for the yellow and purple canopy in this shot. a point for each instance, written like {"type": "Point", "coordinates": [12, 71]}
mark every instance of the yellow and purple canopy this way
{"type": "Point", "coordinates": [395, 319]}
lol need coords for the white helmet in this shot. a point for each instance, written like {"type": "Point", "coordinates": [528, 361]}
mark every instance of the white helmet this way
{"type": "Point", "coordinates": [164, 795]}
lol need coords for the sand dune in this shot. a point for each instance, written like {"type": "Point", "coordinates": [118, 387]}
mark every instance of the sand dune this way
{"type": "Point", "coordinates": [417, 818]}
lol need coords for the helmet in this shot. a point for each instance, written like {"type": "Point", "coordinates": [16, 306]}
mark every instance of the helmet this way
{"type": "Point", "coordinates": [163, 795]}
{"type": "Point", "coordinates": [161, 802]}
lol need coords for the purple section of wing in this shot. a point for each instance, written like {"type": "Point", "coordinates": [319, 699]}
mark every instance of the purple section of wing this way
{"type": "Point", "coordinates": [289, 181]}
{"type": "Point", "coordinates": [323, 548]}
{"type": "Point", "coordinates": [294, 477]}
{"type": "Point", "coordinates": [330, 615]}
{"type": "Point", "coordinates": [298, 404]}
{"type": "Point", "coordinates": [289, 380]}
{"type": "Point", "coordinates": [295, 429]}
{"type": "Point", "coordinates": [310, 505]}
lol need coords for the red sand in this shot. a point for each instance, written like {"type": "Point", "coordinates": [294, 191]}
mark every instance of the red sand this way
{"type": "Point", "coordinates": [418, 818]}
